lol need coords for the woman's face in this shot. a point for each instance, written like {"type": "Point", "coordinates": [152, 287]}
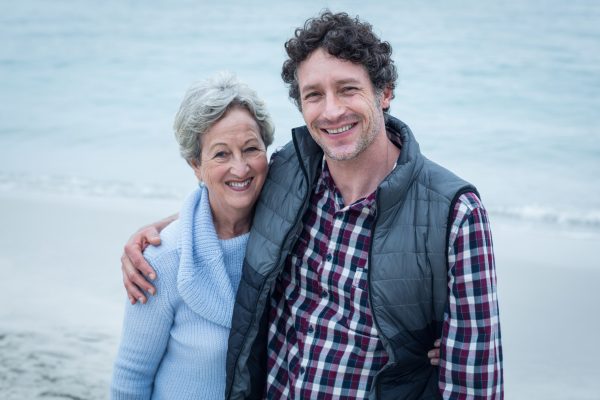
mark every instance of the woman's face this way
{"type": "Point", "coordinates": [233, 164]}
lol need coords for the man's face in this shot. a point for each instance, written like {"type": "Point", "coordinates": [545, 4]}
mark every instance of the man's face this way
{"type": "Point", "coordinates": [339, 105]}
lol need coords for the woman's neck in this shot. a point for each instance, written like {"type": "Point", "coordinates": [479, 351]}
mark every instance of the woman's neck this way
{"type": "Point", "coordinates": [230, 226]}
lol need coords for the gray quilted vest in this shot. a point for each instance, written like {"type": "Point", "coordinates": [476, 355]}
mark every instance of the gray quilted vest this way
{"type": "Point", "coordinates": [407, 264]}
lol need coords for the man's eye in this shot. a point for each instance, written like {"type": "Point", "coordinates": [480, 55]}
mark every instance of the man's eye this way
{"type": "Point", "coordinates": [349, 89]}
{"type": "Point", "coordinates": [311, 96]}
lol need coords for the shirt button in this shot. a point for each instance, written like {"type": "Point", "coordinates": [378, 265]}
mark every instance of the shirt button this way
{"type": "Point", "coordinates": [311, 329]}
{"type": "Point", "coordinates": [329, 257]}
{"type": "Point", "coordinates": [302, 370]}
{"type": "Point", "coordinates": [324, 293]}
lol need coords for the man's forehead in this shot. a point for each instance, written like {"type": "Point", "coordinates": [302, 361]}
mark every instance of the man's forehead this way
{"type": "Point", "coordinates": [317, 68]}
{"type": "Point", "coordinates": [336, 81]}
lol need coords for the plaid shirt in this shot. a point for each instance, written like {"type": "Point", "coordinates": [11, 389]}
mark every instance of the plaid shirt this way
{"type": "Point", "coordinates": [322, 342]}
{"type": "Point", "coordinates": [471, 349]}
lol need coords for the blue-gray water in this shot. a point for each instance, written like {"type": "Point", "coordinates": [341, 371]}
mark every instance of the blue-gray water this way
{"type": "Point", "coordinates": [504, 93]}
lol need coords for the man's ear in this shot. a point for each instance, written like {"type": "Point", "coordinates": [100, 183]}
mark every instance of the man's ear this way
{"type": "Point", "coordinates": [386, 98]}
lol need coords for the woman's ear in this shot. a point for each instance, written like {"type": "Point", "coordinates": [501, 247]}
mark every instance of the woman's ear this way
{"type": "Point", "coordinates": [197, 167]}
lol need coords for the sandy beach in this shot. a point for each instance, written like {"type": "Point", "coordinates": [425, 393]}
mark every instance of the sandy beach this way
{"type": "Point", "coordinates": [62, 298]}
{"type": "Point", "coordinates": [61, 292]}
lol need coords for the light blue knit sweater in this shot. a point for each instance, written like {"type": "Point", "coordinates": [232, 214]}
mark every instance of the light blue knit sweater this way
{"type": "Point", "coordinates": [174, 347]}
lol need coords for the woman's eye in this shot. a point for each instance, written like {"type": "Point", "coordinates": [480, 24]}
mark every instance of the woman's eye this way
{"type": "Point", "coordinates": [220, 155]}
{"type": "Point", "coordinates": [251, 149]}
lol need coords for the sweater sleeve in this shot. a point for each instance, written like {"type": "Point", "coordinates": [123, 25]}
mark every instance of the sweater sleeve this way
{"type": "Point", "coordinates": [144, 338]}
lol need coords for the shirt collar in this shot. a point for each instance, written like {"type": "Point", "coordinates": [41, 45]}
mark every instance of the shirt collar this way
{"type": "Point", "coordinates": [326, 186]}
{"type": "Point", "coordinates": [325, 182]}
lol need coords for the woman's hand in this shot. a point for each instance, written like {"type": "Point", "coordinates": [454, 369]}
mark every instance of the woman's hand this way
{"type": "Point", "coordinates": [135, 268]}
{"type": "Point", "coordinates": [434, 354]}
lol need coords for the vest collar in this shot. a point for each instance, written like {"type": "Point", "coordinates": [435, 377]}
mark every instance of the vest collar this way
{"type": "Point", "coordinates": [393, 188]}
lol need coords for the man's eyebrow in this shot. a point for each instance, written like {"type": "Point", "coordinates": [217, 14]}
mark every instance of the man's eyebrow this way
{"type": "Point", "coordinates": [337, 82]}
{"type": "Point", "coordinates": [308, 87]}
{"type": "Point", "coordinates": [347, 80]}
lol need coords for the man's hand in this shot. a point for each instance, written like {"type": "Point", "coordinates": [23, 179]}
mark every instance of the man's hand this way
{"type": "Point", "coordinates": [134, 266]}
{"type": "Point", "coordinates": [434, 354]}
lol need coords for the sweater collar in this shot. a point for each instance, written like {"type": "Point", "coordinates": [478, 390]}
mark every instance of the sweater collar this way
{"type": "Point", "coordinates": [202, 279]}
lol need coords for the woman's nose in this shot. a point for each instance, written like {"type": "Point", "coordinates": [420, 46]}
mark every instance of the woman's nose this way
{"type": "Point", "coordinates": [239, 166]}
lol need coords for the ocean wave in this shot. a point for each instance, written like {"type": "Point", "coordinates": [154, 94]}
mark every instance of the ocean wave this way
{"type": "Point", "coordinates": [81, 186]}
{"type": "Point", "coordinates": [588, 218]}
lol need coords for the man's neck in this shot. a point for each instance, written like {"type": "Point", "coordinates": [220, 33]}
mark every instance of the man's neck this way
{"type": "Point", "coordinates": [359, 177]}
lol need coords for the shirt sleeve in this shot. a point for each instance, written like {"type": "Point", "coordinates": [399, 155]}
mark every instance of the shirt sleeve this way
{"type": "Point", "coordinates": [471, 349]}
{"type": "Point", "coordinates": [144, 338]}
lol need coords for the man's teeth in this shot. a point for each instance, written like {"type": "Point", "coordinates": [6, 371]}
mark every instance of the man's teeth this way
{"type": "Point", "coordinates": [339, 130]}
{"type": "Point", "coordinates": [239, 184]}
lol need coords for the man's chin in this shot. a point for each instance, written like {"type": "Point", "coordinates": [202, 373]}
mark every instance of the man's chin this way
{"type": "Point", "coordinates": [340, 155]}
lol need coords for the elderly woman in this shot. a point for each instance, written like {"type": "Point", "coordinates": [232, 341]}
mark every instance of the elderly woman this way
{"type": "Point", "coordinates": [175, 346]}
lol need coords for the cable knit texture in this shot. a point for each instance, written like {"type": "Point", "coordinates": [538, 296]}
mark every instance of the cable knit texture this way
{"type": "Point", "coordinates": [174, 347]}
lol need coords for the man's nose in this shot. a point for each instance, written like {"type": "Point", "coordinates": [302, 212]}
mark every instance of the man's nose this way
{"type": "Point", "coordinates": [333, 108]}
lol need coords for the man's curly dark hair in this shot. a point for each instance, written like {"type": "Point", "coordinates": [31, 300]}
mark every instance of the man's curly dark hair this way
{"type": "Point", "coordinates": [345, 38]}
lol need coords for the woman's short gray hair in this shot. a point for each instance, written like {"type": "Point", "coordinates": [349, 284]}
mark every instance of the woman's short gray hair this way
{"type": "Point", "coordinates": [206, 102]}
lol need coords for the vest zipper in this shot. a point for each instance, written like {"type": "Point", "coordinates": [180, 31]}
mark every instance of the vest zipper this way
{"type": "Point", "coordinates": [384, 339]}
{"type": "Point", "coordinates": [281, 260]}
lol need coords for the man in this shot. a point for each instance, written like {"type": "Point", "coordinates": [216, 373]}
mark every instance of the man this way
{"type": "Point", "coordinates": [362, 251]}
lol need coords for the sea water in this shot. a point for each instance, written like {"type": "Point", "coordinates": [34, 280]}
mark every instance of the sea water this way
{"type": "Point", "coordinates": [506, 94]}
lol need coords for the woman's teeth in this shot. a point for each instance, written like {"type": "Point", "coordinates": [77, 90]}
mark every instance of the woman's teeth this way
{"type": "Point", "coordinates": [240, 184]}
